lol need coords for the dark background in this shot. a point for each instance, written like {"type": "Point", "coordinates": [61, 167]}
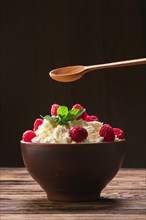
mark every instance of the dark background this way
{"type": "Point", "coordinates": [38, 36]}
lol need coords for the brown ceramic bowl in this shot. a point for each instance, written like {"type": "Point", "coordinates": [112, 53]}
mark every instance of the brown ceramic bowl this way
{"type": "Point", "coordinates": [73, 172]}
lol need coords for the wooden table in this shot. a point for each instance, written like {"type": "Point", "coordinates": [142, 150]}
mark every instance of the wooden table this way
{"type": "Point", "coordinates": [22, 199]}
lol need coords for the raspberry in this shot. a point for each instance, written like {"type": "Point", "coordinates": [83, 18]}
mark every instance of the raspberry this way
{"type": "Point", "coordinates": [82, 116]}
{"type": "Point", "coordinates": [78, 133]}
{"type": "Point", "coordinates": [77, 106]}
{"type": "Point", "coordinates": [28, 136]}
{"type": "Point", "coordinates": [54, 109]}
{"type": "Point", "coordinates": [107, 132]}
{"type": "Point", "coordinates": [91, 118]}
{"type": "Point", "coordinates": [37, 123]}
{"type": "Point", "coordinates": [119, 133]}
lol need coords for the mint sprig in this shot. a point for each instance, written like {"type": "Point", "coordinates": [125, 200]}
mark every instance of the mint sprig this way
{"type": "Point", "coordinates": [64, 115]}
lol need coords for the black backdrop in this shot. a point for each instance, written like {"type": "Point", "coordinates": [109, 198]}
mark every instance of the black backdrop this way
{"type": "Point", "coordinates": [38, 36]}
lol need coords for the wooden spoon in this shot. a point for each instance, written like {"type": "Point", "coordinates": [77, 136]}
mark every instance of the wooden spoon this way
{"type": "Point", "coordinates": [72, 73]}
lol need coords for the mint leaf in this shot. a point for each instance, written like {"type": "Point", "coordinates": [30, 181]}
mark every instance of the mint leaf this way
{"type": "Point", "coordinates": [54, 119]}
{"type": "Point", "coordinates": [77, 113]}
{"type": "Point", "coordinates": [62, 111]}
{"type": "Point", "coordinates": [47, 117]}
{"type": "Point", "coordinates": [62, 122]}
{"type": "Point", "coordinates": [50, 118]}
{"type": "Point", "coordinates": [73, 114]}
{"type": "Point", "coordinates": [80, 112]}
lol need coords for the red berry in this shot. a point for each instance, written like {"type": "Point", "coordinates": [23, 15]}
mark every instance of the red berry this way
{"type": "Point", "coordinates": [78, 133]}
{"type": "Point", "coordinates": [107, 132]}
{"type": "Point", "coordinates": [91, 118]}
{"type": "Point", "coordinates": [37, 123]}
{"type": "Point", "coordinates": [83, 115]}
{"type": "Point", "coordinates": [77, 106]}
{"type": "Point", "coordinates": [119, 133]}
{"type": "Point", "coordinates": [54, 109]}
{"type": "Point", "coordinates": [28, 136]}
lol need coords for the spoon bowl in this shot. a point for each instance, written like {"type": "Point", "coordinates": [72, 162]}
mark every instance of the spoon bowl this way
{"type": "Point", "coordinates": [67, 74]}
{"type": "Point", "coordinates": [73, 73]}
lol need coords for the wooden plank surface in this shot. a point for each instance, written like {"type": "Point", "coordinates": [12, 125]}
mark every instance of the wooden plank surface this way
{"type": "Point", "coordinates": [23, 199]}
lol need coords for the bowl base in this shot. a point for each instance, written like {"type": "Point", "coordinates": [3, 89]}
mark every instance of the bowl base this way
{"type": "Point", "coordinates": [73, 196]}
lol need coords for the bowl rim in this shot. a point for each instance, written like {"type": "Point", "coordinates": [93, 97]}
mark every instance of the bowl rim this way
{"type": "Point", "coordinates": [72, 144]}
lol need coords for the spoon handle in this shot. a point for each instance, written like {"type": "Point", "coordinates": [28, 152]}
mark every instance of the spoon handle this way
{"type": "Point", "coordinates": [117, 64]}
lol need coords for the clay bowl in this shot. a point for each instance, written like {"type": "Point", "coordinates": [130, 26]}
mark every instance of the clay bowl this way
{"type": "Point", "coordinates": [73, 172]}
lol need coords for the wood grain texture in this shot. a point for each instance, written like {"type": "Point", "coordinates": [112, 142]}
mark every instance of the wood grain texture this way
{"type": "Point", "coordinates": [23, 199]}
